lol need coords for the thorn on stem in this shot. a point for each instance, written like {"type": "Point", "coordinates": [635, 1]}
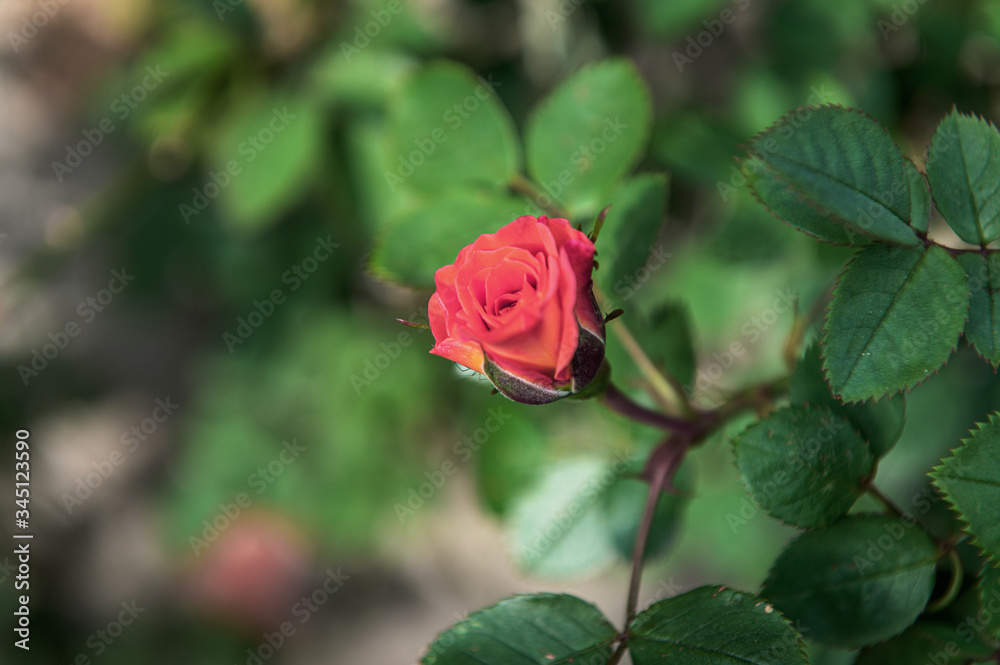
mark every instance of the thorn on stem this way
{"type": "Point", "coordinates": [410, 324]}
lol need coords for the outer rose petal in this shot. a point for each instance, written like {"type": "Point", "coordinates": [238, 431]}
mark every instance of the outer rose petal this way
{"type": "Point", "coordinates": [581, 257]}
{"type": "Point", "coordinates": [463, 352]}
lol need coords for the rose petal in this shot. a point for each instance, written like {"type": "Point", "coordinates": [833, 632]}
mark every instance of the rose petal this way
{"type": "Point", "coordinates": [465, 352]}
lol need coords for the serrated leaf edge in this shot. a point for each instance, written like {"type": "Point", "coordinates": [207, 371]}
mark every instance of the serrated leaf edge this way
{"type": "Point", "coordinates": [518, 596]}
{"type": "Point", "coordinates": [936, 472]}
{"type": "Point", "coordinates": [905, 389]}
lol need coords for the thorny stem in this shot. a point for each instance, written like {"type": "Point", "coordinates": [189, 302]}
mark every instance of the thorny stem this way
{"type": "Point", "coordinates": [663, 464]}
{"type": "Point", "coordinates": [660, 469]}
{"type": "Point", "coordinates": [616, 400]}
{"type": "Point", "coordinates": [619, 652]}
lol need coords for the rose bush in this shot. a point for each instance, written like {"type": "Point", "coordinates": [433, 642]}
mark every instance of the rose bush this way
{"type": "Point", "coordinates": [518, 306]}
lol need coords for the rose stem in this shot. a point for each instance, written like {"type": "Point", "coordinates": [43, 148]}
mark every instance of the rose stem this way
{"type": "Point", "coordinates": [662, 464]}
{"type": "Point", "coordinates": [619, 652]}
{"type": "Point", "coordinates": [616, 400]}
{"type": "Point", "coordinates": [886, 501]}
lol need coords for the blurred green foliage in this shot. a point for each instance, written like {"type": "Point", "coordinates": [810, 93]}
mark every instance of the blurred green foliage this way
{"type": "Point", "coordinates": [276, 127]}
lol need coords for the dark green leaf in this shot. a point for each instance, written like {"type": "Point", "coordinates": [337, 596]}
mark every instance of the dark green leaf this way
{"type": "Point", "coordinates": [803, 464]}
{"type": "Point", "coordinates": [970, 480]}
{"type": "Point", "coordinates": [791, 206]}
{"type": "Point", "coordinates": [857, 582]}
{"type": "Point", "coordinates": [963, 167]}
{"type": "Point", "coordinates": [714, 626]}
{"type": "Point", "coordinates": [537, 629]}
{"type": "Point", "coordinates": [983, 328]}
{"type": "Point", "coordinates": [421, 239]}
{"type": "Point", "coordinates": [588, 133]}
{"type": "Point", "coordinates": [920, 199]}
{"type": "Point", "coordinates": [895, 318]}
{"type": "Point", "coordinates": [880, 424]}
{"type": "Point", "coordinates": [626, 247]}
{"type": "Point", "coordinates": [842, 161]}
{"type": "Point", "coordinates": [989, 599]}
{"type": "Point", "coordinates": [449, 128]}
{"type": "Point", "coordinates": [923, 644]}
{"type": "Point", "coordinates": [970, 612]}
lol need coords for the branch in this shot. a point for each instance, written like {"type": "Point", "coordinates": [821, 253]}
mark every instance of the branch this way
{"type": "Point", "coordinates": [616, 400]}
{"type": "Point", "coordinates": [660, 470]}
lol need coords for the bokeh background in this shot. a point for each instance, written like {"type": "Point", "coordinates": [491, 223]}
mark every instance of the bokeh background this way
{"type": "Point", "coordinates": [198, 482]}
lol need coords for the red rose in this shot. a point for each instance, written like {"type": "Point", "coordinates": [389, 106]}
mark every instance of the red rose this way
{"type": "Point", "coordinates": [518, 306]}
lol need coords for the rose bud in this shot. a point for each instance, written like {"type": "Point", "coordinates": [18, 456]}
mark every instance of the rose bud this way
{"type": "Point", "coordinates": [518, 306]}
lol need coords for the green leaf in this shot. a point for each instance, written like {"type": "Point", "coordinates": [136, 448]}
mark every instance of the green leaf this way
{"type": "Point", "coordinates": [589, 133]}
{"type": "Point", "coordinates": [920, 199]}
{"type": "Point", "coordinates": [714, 626]}
{"type": "Point", "coordinates": [793, 208]}
{"type": "Point", "coordinates": [626, 248]}
{"type": "Point", "coordinates": [970, 481]}
{"type": "Point", "coordinates": [857, 582]}
{"type": "Point", "coordinates": [842, 161]}
{"type": "Point", "coordinates": [582, 515]}
{"type": "Point", "coordinates": [922, 644]}
{"type": "Point", "coordinates": [880, 423]}
{"type": "Point", "coordinates": [983, 328]}
{"type": "Point", "coordinates": [422, 238]}
{"type": "Point", "coordinates": [803, 465]}
{"type": "Point", "coordinates": [265, 156]}
{"type": "Point", "coordinates": [449, 128]}
{"type": "Point", "coordinates": [363, 80]}
{"type": "Point", "coordinates": [556, 528]}
{"type": "Point", "coordinates": [895, 318]}
{"type": "Point", "coordinates": [989, 596]}
{"type": "Point", "coordinates": [537, 629]}
{"type": "Point", "coordinates": [963, 167]}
